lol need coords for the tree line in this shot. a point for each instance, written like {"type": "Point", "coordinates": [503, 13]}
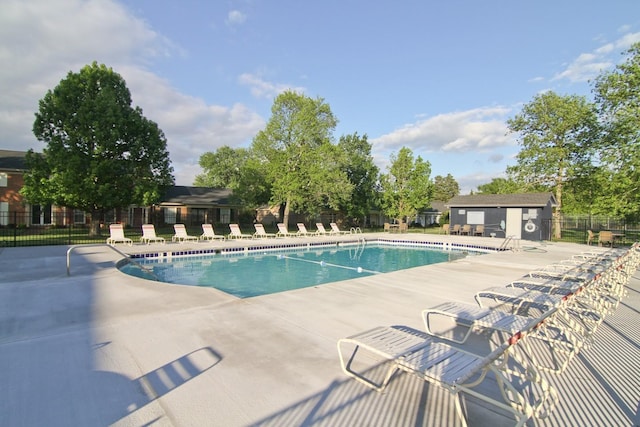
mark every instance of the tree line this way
{"type": "Point", "coordinates": [586, 152]}
{"type": "Point", "coordinates": [102, 153]}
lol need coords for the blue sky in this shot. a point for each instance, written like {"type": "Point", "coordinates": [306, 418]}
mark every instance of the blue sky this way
{"type": "Point", "coordinates": [440, 78]}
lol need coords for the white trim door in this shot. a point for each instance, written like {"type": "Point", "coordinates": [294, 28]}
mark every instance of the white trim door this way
{"type": "Point", "coordinates": [514, 223]}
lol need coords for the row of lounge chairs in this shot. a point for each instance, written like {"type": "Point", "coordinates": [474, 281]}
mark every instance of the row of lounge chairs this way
{"type": "Point", "coordinates": [208, 233]}
{"type": "Point", "coordinates": [533, 327]}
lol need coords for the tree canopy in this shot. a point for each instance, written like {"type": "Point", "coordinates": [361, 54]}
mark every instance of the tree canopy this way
{"type": "Point", "coordinates": [618, 99]}
{"type": "Point", "coordinates": [499, 186]}
{"type": "Point", "coordinates": [362, 174]}
{"type": "Point", "coordinates": [101, 153]}
{"type": "Point", "coordinates": [445, 188]}
{"type": "Point", "coordinates": [222, 168]}
{"type": "Point", "coordinates": [556, 139]}
{"type": "Point", "coordinates": [407, 186]}
{"type": "Point", "coordinates": [301, 163]}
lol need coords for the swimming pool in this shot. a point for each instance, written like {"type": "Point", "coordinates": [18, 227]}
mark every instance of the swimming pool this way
{"type": "Point", "coordinates": [259, 273]}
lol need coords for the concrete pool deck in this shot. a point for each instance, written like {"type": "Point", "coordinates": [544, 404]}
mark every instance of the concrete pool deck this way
{"type": "Point", "coordinates": [100, 348]}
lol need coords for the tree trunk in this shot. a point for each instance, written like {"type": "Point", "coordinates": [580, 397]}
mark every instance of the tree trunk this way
{"type": "Point", "coordinates": [94, 227]}
{"type": "Point", "coordinates": [285, 217]}
{"type": "Point", "coordinates": [557, 230]}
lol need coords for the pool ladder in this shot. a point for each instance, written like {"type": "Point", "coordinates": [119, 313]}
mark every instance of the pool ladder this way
{"type": "Point", "coordinates": [510, 242]}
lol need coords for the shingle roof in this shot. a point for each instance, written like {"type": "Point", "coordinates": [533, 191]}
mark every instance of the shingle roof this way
{"type": "Point", "coordinates": [194, 196]}
{"type": "Point", "coordinates": [436, 206]}
{"type": "Point", "coordinates": [503, 200]}
{"type": "Point", "coordinates": [12, 160]}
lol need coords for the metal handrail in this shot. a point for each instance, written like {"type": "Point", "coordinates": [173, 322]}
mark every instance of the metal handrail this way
{"type": "Point", "coordinates": [88, 246]}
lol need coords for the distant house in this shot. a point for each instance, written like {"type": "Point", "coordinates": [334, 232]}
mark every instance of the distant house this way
{"type": "Point", "coordinates": [13, 207]}
{"type": "Point", "coordinates": [190, 205]}
{"type": "Point", "coordinates": [12, 167]}
{"type": "Point", "coordinates": [195, 206]}
{"type": "Point", "coordinates": [523, 216]}
{"type": "Point", "coordinates": [432, 214]}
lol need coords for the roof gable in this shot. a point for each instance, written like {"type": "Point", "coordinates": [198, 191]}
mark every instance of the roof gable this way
{"type": "Point", "coordinates": [13, 160]}
{"type": "Point", "coordinates": [503, 200]}
{"type": "Point", "coordinates": [193, 196]}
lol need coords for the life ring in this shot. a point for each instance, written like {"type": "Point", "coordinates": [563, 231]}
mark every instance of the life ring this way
{"type": "Point", "coordinates": [529, 227]}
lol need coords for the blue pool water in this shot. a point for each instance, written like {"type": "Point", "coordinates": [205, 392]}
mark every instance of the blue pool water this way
{"type": "Point", "coordinates": [270, 272]}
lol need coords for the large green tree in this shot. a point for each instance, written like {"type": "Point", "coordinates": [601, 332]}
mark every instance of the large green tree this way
{"type": "Point", "coordinates": [445, 188]}
{"type": "Point", "coordinates": [500, 186]}
{"type": "Point", "coordinates": [407, 186]}
{"type": "Point", "coordinates": [618, 99]}
{"type": "Point", "coordinates": [363, 175]}
{"type": "Point", "coordinates": [222, 168]}
{"type": "Point", "coordinates": [302, 164]}
{"type": "Point", "coordinates": [101, 153]}
{"type": "Point", "coordinates": [556, 135]}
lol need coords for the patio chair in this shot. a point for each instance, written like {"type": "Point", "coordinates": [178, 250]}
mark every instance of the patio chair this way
{"type": "Point", "coordinates": [590, 237]}
{"type": "Point", "coordinates": [261, 233]}
{"type": "Point", "coordinates": [336, 229]}
{"type": "Point", "coordinates": [321, 230]}
{"type": "Point", "coordinates": [302, 231]}
{"type": "Point", "coordinates": [523, 390]}
{"type": "Point", "coordinates": [605, 238]}
{"type": "Point", "coordinates": [209, 233]}
{"type": "Point", "coordinates": [479, 231]}
{"type": "Point", "coordinates": [455, 229]}
{"type": "Point", "coordinates": [283, 231]}
{"type": "Point", "coordinates": [445, 229]}
{"type": "Point", "coordinates": [466, 230]}
{"type": "Point", "coordinates": [149, 235]}
{"type": "Point", "coordinates": [116, 232]}
{"type": "Point", "coordinates": [181, 235]}
{"type": "Point", "coordinates": [237, 234]}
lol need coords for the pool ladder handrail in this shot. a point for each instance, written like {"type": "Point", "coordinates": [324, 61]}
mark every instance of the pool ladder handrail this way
{"type": "Point", "coordinates": [515, 243]}
{"type": "Point", "coordinates": [118, 251]}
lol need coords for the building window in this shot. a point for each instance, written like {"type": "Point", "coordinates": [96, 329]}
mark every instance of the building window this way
{"type": "Point", "coordinates": [198, 216]}
{"type": "Point", "coordinates": [170, 215]}
{"type": "Point", "coordinates": [41, 214]}
{"type": "Point", "coordinates": [225, 215]}
{"type": "Point", "coordinates": [4, 213]}
{"type": "Point", "coordinates": [78, 216]}
{"type": "Point", "coordinates": [4, 179]}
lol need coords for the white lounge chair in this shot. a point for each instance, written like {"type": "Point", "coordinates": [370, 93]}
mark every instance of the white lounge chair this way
{"type": "Point", "coordinates": [261, 233]}
{"type": "Point", "coordinates": [470, 317]}
{"type": "Point", "coordinates": [149, 235]}
{"type": "Point", "coordinates": [237, 234]}
{"type": "Point", "coordinates": [283, 232]}
{"type": "Point", "coordinates": [336, 230]}
{"type": "Point", "coordinates": [524, 391]}
{"type": "Point", "coordinates": [117, 235]}
{"type": "Point", "coordinates": [302, 230]}
{"type": "Point", "coordinates": [209, 234]}
{"type": "Point", "coordinates": [321, 230]}
{"type": "Point", "coordinates": [181, 235]}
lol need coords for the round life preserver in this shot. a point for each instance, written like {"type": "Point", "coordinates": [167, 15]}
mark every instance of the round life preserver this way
{"type": "Point", "coordinates": [529, 227]}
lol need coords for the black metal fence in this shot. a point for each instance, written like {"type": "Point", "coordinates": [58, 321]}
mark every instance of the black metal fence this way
{"type": "Point", "coordinates": [20, 230]}
{"type": "Point", "coordinates": [576, 229]}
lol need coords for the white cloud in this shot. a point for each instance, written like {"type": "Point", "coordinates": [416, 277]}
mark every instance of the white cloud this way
{"type": "Point", "coordinates": [476, 129]}
{"type": "Point", "coordinates": [235, 17]}
{"type": "Point", "coordinates": [263, 89]}
{"type": "Point", "coordinates": [588, 66]}
{"type": "Point", "coordinates": [42, 40]}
